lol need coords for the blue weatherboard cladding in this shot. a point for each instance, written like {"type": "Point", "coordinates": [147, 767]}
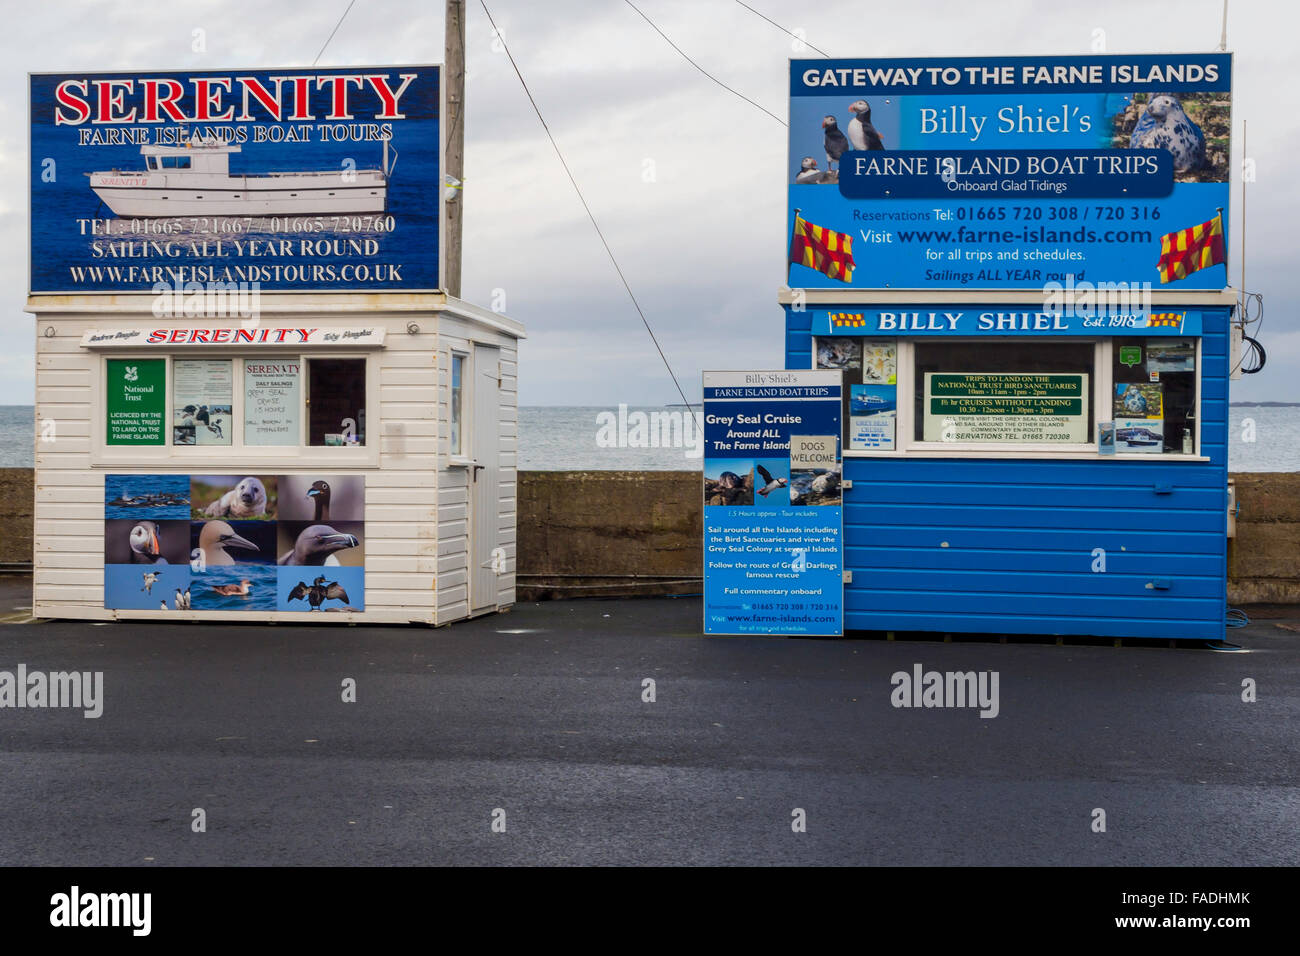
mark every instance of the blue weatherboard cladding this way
{"type": "Point", "coordinates": [1020, 534]}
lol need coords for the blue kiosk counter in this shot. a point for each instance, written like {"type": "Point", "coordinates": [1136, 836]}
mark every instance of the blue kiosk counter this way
{"type": "Point", "coordinates": [1010, 470]}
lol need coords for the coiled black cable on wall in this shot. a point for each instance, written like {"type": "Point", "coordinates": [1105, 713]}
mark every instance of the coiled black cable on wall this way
{"type": "Point", "coordinates": [1253, 356]}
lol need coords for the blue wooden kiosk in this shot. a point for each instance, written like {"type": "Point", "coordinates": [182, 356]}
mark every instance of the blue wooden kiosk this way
{"type": "Point", "coordinates": [969, 537]}
{"type": "Point", "coordinates": [1019, 266]}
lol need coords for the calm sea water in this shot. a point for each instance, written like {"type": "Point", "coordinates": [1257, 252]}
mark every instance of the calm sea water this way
{"type": "Point", "coordinates": [564, 438]}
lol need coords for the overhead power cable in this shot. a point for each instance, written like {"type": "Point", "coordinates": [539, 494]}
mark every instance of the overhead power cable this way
{"type": "Point", "coordinates": [332, 32]}
{"type": "Point", "coordinates": [702, 69]}
{"type": "Point", "coordinates": [796, 36]}
{"type": "Point", "coordinates": [581, 198]}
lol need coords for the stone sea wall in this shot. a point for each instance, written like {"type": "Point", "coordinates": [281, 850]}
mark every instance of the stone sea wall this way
{"type": "Point", "coordinates": [611, 533]}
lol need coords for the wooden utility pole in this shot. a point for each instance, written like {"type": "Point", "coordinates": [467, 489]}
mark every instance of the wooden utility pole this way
{"type": "Point", "coordinates": [454, 149]}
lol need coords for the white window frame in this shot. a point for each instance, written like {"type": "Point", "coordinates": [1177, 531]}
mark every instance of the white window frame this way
{"type": "Point", "coordinates": [218, 459]}
{"type": "Point", "coordinates": [465, 457]}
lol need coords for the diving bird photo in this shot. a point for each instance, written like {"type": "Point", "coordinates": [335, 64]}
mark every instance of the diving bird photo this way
{"type": "Point", "coordinates": [319, 498]}
{"type": "Point", "coordinates": [242, 589]}
{"type": "Point", "coordinates": [316, 544]}
{"type": "Point", "coordinates": [319, 493]}
{"type": "Point", "coordinates": [1164, 125]}
{"type": "Point", "coordinates": [149, 578]}
{"type": "Point", "coordinates": [862, 135]}
{"type": "Point", "coordinates": [318, 593]}
{"type": "Point", "coordinates": [215, 538]}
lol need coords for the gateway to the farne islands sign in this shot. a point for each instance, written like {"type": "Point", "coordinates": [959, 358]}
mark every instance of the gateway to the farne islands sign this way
{"type": "Point", "coordinates": [1012, 172]}
{"type": "Point", "coordinates": [292, 180]}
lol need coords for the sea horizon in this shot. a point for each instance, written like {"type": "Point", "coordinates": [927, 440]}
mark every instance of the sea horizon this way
{"type": "Point", "coordinates": [589, 438]}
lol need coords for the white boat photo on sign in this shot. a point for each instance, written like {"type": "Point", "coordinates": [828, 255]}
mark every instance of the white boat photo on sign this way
{"type": "Point", "coordinates": [194, 179]}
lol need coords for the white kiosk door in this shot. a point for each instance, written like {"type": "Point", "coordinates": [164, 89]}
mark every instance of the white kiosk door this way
{"type": "Point", "coordinates": [485, 485]}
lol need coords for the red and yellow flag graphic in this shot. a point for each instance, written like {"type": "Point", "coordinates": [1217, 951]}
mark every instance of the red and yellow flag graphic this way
{"type": "Point", "coordinates": [1190, 250]}
{"type": "Point", "coordinates": [827, 251]}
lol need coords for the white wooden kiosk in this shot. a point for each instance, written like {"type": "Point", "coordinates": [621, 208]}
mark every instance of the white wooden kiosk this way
{"type": "Point", "coordinates": [430, 457]}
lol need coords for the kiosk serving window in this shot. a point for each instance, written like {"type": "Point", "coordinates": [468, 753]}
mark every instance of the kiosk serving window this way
{"type": "Point", "coordinates": [336, 401]}
{"type": "Point", "coordinates": [870, 369]}
{"type": "Point", "coordinates": [1154, 395]}
{"type": "Point", "coordinates": [1051, 391]}
{"type": "Point", "coordinates": [274, 402]}
{"type": "Point", "coordinates": [1006, 392]}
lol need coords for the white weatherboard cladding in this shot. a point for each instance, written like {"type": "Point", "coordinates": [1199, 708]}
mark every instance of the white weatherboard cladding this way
{"type": "Point", "coordinates": [416, 500]}
{"type": "Point", "coordinates": [457, 335]}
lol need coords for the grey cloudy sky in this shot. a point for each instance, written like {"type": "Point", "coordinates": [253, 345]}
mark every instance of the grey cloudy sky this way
{"type": "Point", "coordinates": [703, 244]}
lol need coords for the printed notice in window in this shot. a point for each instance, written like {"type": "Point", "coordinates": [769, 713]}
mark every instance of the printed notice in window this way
{"type": "Point", "coordinates": [1016, 407]}
{"type": "Point", "coordinates": [271, 401]}
{"type": "Point", "coordinates": [203, 392]}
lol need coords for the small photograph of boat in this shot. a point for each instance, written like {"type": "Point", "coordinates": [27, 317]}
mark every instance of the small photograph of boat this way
{"type": "Point", "coordinates": [194, 179]}
{"type": "Point", "coordinates": [1140, 435]}
{"type": "Point", "coordinates": [873, 400]}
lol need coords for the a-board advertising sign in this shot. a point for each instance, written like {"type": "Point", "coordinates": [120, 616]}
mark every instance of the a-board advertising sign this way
{"type": "Point", "coordinates": [1009, 172]}
{"type": "Point", "coordinates": [235, 542]}
{"type": "Point", "coordinates": [773, 516]}
{"type": "Point", "coordinates": [292, 180]}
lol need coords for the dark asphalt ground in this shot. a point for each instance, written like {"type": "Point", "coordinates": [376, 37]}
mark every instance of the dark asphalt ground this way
{"type": "Point", "coordinates": [539, 712]}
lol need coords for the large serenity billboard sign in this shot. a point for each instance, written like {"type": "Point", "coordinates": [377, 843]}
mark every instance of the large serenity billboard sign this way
{"type": "Point", "coordinates": [1009, 172]}
{"type": "Point", "coordinates": [293, 180]}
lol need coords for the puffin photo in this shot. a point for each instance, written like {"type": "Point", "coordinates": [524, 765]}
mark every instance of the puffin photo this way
{"type": "Point", "coordinates": [770, 484]}
{"type": "Point", "coordinates": [146, 546]}
{"type": "Point", "coordinates": [862, 135]}
{"type": "Point", "coordinates": [836, 143]}
{"type": "Point", "coordinates": [808, 174]}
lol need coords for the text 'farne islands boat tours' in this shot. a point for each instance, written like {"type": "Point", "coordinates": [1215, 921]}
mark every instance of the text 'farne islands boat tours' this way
{"type": "Point", "coordinates": [194, 180]}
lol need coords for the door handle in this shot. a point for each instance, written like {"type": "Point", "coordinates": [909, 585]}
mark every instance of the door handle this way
{"type": "Point", "coordinates": [476, 468]}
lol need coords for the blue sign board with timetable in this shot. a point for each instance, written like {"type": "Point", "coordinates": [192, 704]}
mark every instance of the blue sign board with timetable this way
{"type": "Point", "coordinates": [773, 531]}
